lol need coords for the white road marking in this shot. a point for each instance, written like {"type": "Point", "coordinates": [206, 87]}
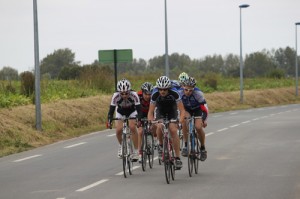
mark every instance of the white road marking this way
{"type": "Point", "coordinates": [208, 134]}
{"type": "Point", "coordinates": [92, 185]}
{"type": "Point", "coordinates": [235, 125]}
{"type": "Point", "coordinates": [217, 116]}
{"type": "Point", "coordinates": [27, 158]}
{"type": "Point", "coordinates": [121, 173]}
{"type": "Point", "coordinates": [111, 135]}
{"type": "Point", "coordinates": [74, 145]}
{"type": "Point", "coordinates": [224, 129]}
{"type": "Point", "coordinates": [233, 113]}
{"type": "Point", "coordinates": [255, 119]}
{"type": "Point", "coordinates": [246, 122]}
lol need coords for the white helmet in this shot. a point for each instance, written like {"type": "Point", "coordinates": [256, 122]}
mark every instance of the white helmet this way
{"type": "Point", "coordinates": [123, 85]}
{"type": "Point", "coordinates": [163, 82]}
{"type": "Point", "coordinates": [182, 77]}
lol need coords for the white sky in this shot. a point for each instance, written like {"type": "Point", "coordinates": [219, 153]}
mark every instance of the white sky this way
{"type": "Point", "coordinates": [195, 27]}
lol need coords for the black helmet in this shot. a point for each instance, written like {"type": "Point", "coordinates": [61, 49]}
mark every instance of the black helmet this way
{"type": "Point", "coordinates": [147, 87]}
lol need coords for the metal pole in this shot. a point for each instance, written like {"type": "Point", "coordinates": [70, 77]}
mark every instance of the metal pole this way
{"type": "Point", "coordinates": [296, 75]}
{"type": "Point", "coordinates": [241, 61]}
{"type": "Point", "coordinates": [166, 42]}
{"type": "Point", "coordinates": [37, 69]}
{"type": "Point", "coordinates": [116, 69]}
{"type": "Point", "coordinates": [241, 56]}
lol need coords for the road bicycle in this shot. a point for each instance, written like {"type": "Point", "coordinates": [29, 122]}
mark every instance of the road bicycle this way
{"type": "Point", "coordinates": [168, 153]}
{"type": "Point", "coordinates": [147, 145]}
{"type": "Point", "coordinates": [193, 146]}
{"type": "Point", "coordinates": [127, 146]}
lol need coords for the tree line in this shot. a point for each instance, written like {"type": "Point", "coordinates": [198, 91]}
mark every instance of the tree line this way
{"type": "Point", "coordinates": [61, 64]}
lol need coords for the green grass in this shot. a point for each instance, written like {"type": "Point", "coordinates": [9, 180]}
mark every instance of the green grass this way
{"type": "Point", "coordinates": [53, 90]}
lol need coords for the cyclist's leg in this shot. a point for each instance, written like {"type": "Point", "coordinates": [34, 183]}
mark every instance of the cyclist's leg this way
{"type": "Point", "coordinates": [173, 130]}
{"type": "Point", "coordinates": [119, 128]}
{"type": "Point", "coordinates": [185, 131]}
{"type": "Point", "coordinates": [201, 136]}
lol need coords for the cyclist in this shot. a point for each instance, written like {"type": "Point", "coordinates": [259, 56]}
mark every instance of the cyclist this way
{"type": "Point", "coordinates": [145, 96]}
{"type": "Point", "coordinates": [167, 100]}
{"type": "Point", "coordinates": [194, 104]}
{"type": "Point", "coordinates": [128, 104]}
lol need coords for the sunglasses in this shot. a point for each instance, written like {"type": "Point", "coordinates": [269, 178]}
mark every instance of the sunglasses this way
{"type": "Point", "coordinates": [125, 93]}
{"type": "Point", "coordinates": [188, 90]}
{"type": "Point", "coordinates": [162, 89]}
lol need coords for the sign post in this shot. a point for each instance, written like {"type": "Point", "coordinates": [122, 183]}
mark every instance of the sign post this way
{"type": "Point", "coordinates": [115, 56]}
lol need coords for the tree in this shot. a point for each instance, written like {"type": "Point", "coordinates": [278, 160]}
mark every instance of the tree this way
{"type": "Point", "coordinates": [231, 66]}
{"type": "Point", "coordinates": [53, 63]}
{"type": "Point", "coordinates": [8, 73]}
{"type": "Point", "coordinates": [258, 64]}
{"type": "Point", "coordinates": [285, 60]}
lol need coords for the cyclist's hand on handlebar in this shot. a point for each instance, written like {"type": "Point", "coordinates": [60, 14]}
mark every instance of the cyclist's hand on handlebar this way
{"type": "Point", "coordinates": [204, 124]}
{"type": "Point", "coordinates": [109, 124]}
{"type": "Point", "coordinates": [139, 124]}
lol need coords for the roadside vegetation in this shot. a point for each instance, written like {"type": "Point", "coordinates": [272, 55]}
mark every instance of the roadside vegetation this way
{"type": "Point", "coordinates": [75, 98]}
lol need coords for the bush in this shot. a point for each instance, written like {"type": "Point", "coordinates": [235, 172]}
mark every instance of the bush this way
{"type": "Point", "coordinates": [27, 83]}
{"type": "Point", "coordinates": [277, 73]}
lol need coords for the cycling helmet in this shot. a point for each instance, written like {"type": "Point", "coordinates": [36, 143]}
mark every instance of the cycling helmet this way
{"type": "Point", "coordinates": [175, 83]}
{"type": "Point", "coordinates": [190, 82]}
{"type": "Point", "coordinates": [163, 82]}
{"type": "Point", "coordinates": [123, 85]}
{"type": "Point", "coordinates": [182, 77]}
{"type": "Point", "coordinates": [147, 87]}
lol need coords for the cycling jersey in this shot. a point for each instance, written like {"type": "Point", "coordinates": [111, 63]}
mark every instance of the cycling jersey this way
{"type": "Point", "coordinates": [167, 105]}
{"type": "Point", "coordinates": [194, 102]}
{"type": "Point", "coordinates": [124, 106]}
{"type": "Point", "coordinates": [144, 104]}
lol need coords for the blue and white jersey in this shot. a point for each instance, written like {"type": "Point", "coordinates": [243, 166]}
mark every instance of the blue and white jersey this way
{"type": "Point", "coordinates": [193, 101]}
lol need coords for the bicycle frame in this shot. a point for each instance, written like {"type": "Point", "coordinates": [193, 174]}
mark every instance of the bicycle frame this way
{"type": "Point", "coordinates": [168, 150]}
{"type": "Point", "coordinates": [127, 146]}
{"type": "Point", "coordinates": [193, 145]}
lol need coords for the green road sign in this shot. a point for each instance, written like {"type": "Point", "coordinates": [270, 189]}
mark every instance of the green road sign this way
{"type": "Point", "coordinates": [115, 56]}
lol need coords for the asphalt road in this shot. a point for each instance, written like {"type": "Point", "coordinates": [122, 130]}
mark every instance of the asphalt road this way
{"type": "Point", "coordinates": [252, 154]}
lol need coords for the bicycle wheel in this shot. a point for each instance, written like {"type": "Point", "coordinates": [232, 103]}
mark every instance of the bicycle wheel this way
{"type": "Point", "coordinates": [166, 160]}
{"type": "Point", "coordinates": [124, 155]}
{"type": "Point", "coordinates": [150, 150]}
{"type": "Point", "coordinates": [197, 154]}
{"type": "Point", "coordinates": [190, 155]}
{"type": "Point", "coordinates": [130, 152]}
{"type": "Point", "coordinates": [172, 161]}
{"type": "Point", "coordinates": [144, 150]}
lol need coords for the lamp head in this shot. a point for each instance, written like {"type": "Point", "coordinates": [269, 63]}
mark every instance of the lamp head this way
{"type": "Point", "coordinates": [244, 6]}
{"type": "Point", "coordinates": [298, 23]}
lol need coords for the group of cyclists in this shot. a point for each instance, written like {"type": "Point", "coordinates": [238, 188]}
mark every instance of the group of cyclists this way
{"type": "Point", "coordinates": [170, 99]}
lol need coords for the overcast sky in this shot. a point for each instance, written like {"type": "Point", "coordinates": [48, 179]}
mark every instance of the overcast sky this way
{"type": "Point", "coordinates": [195, 27]}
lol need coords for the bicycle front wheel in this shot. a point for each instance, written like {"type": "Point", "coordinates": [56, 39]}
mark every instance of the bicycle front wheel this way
{"type": "Point", "coordinates": [144, 151]}
{"type": "Point", "coordinates": [166, 160]}
{"type": "Point", "coordinates": [197, 154]}
{"type": "Point", "coordinates": [124, 155]}
{"type": "Point", "coordinates": [190, 155]}
{"type": "Point", "coordinates": [150, 150]}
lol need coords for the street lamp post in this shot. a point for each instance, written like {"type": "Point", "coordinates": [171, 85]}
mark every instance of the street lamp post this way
{"type": "Point", "coordinates": [37, 69]}
{"type": "Point", "coordinates": [296, 75]}
{"type": "Point", "coordinates": [166, 42]}
{"type": "Point", "coordinates": [241, 56]}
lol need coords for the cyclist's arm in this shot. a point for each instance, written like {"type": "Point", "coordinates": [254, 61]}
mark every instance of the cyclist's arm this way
{"type": "Point", "coordinates": [151, 111]}
{"type": "Point", "coordinates": [111, 112]}
{"type": "Point", "coordinates": [182, 111]}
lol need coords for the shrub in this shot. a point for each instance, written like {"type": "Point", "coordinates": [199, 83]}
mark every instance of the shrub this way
{"type": "Point", "coordinates": [27, 83]}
